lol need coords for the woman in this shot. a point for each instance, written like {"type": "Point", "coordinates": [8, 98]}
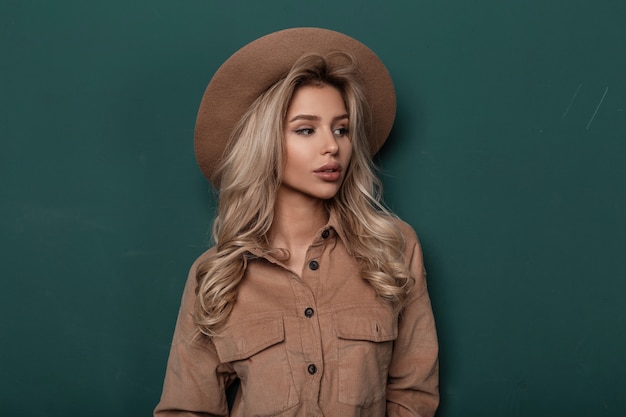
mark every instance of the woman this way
{"type": "Point", "coordinates": [314, 296]}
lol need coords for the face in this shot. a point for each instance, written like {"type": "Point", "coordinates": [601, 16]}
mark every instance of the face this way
{"type": "Point", "coordinates": [317, 143]}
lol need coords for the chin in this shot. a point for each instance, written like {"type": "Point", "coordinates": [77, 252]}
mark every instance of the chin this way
{"type": "Point", "coordinates": [326, 194]}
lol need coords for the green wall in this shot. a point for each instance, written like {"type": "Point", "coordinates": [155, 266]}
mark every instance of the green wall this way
{"type": "Point", "coordinates": [508, 157]}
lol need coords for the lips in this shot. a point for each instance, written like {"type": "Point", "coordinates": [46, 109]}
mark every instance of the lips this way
{"type": "Point", "coordinates": [329, 172]}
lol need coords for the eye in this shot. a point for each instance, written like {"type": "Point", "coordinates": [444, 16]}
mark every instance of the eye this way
{"type": "Point", "coordinates": [305, 131]}
{"type": "Point", "coordinates": [341, 131]}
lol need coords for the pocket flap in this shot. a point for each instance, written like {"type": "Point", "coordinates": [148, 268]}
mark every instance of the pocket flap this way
{"type": "Point", "coordinates": [375, 324]}
{"type": "Point", "coordinates": [242, 340]}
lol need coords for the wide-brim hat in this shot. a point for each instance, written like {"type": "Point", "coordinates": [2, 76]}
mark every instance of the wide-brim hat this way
{"type": "Point", "coordinates": [260, 64]}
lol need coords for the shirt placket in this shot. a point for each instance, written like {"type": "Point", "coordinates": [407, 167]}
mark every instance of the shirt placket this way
{"type": "Point", "coordinates": [305, 291]}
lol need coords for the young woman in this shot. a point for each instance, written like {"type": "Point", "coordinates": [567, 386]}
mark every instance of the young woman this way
{"type": "Point", "coordinates": [314, 296]}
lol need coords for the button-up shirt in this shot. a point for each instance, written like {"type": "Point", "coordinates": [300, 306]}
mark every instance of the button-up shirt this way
{"type": "Point", "coordinates": [317, 343]}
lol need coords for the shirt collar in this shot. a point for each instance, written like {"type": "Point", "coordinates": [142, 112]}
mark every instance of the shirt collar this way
{"type": "Point", "coordinates": [332, 227]}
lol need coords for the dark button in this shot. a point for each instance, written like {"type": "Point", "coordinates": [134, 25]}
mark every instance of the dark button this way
{"type": "Point", "coordinates": [325, 234]}
{"type": "Point", "coordinates": [309, 312]}
{"type": "Point", "coordinates": [312, 369]}
{"type": "Point", "coordinates": [314, 265]}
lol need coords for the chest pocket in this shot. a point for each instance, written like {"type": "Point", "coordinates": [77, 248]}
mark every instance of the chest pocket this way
{"type": "Point", "coordinates": [364, 347]}
{"type": "Point", "coordinates": [256, 349]}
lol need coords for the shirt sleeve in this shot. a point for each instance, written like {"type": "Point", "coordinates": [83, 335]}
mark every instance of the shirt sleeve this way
{"type": "Point", "coordinates": [413, 384]}
{"type": "Point", "coordinates": [195, 379]}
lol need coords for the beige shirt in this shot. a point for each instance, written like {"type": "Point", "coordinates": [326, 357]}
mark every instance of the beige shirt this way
{"type": "Point", "coordinates": [318, 343]}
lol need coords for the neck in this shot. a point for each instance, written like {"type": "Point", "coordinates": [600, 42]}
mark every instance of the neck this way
{"type": "Point", "coordinates": [297, 219]}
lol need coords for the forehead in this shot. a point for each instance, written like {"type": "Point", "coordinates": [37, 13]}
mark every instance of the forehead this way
{"type": "Point", "coordinates": [324, 98]}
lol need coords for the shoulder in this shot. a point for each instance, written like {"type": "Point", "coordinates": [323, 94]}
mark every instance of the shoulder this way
{"type": "Point", "coordinates": [198, 263]}
{"type": "Point", "coordinates": [203, 258]}
{"type": "Point", "coordinates": [406, 230]}
{"type": "Point", "coordinates": [413, 257]}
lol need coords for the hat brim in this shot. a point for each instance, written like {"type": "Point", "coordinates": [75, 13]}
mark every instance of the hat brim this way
{"type": "Point", "coordinates": [257, 66]}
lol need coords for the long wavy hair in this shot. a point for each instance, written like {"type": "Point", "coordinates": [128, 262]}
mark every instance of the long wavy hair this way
{"type": "Point", "coordinates": [250, 176]}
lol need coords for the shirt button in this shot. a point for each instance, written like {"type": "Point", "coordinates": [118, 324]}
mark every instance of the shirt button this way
{"type": "Point", "coordinates": [325, 234]}
{"type": "Point", "coordinates": [314, 265]}
{"type": "Point", "coordinates": [312, 369]}
{"type": "Point", "coordinates": [309, 312]}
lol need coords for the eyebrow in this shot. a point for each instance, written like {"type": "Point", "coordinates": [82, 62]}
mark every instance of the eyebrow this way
{"type": "Point", "coordinates": [317, 118]}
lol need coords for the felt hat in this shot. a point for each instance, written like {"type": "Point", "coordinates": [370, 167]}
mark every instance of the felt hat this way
{"type": "Point", "coordinates": [258, 65]}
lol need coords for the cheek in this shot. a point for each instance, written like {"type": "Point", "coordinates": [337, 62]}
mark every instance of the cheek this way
{"type": "Point", "coordinates": [348, 152]}
{"type": "Point", "coordinates": [293, 157]}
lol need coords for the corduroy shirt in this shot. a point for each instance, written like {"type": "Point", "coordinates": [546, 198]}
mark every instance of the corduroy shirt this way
{"type": "Point", "coordinates": [318, 343]}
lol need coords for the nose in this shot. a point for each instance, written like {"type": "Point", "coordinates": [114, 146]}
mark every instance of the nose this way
{"type": "Point", "coordinates": [330, 144]}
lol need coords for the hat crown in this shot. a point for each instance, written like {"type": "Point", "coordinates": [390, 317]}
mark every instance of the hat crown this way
{"type": "Point", "coordinates": [250, 71]}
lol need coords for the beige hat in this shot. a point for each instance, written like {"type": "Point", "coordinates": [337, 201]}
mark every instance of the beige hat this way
{"type": "Point", "coordinates": [257, 66]}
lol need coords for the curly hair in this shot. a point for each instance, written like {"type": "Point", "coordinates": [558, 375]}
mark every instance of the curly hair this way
{"type": "Point", "coordinates": [251, 174]}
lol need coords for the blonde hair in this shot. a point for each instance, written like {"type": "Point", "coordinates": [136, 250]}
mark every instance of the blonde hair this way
{"type": "Point", "coordinates": [250, 175]}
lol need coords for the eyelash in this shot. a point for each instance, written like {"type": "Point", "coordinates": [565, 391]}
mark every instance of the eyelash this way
{"type": "Point", "coordinates": [304, 131]}
{"type": "Point", "coordinates": [341, 131]}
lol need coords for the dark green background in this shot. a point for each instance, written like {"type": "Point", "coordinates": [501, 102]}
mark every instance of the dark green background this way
{"type": "Point", "coordinates": [508, 157]}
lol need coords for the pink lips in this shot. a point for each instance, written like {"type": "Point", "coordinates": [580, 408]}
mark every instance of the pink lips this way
{"type": "Point", "coordinates": [329, 172]}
